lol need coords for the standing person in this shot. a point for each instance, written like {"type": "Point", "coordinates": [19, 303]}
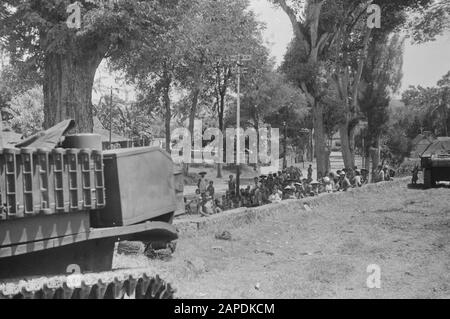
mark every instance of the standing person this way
{"type": "Point", "coordinates": [255, 186]}
{"type": "Point", "coordinates": [232, 189]}
{"type": "Point", "coordinates": [211, 189]}
{"type": "Point", "coordinates": [257, 195]}
{"type": "Point", "coordinates": [232, 186]}
{"type": "Point", "coordinates": [380, 174]}
{"type": "Point", "coordinates": [415, 176]}
{"type": "Point", "coordinates": [310, 173]}
{"type": "Point", "coordinates": [270, 183]}
{"type": "Point", "coordinates": [202, 183]}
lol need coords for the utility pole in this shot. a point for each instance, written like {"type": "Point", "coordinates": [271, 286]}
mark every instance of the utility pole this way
{"type": "Point", "coordinates": [110, 118]}
{"type": "Point", "coordinates": [239, 71]}
{"type": "Point", "coordinates": [285, 145]}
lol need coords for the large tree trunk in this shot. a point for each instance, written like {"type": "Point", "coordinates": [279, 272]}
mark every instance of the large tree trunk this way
{"type": "Point", "coordinates": [347, 154]}
{"type": "Point", "coordinates": [258, 139]}
{"type": "Point", "coordinates": [193, 112]}
{"type": "Point", "coordinates": [167, 110]}
{"type": "Point", "coordinates": [320, 140]}
{"type": "Point", "coordinates": [68, 82]}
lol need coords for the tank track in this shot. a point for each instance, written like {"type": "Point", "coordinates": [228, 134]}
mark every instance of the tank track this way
{"type": "Point", "coordinates": [111, 285]}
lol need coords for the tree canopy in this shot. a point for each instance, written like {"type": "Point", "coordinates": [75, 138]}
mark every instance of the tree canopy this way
{"type": "Point", "coordinates": [36, 35]}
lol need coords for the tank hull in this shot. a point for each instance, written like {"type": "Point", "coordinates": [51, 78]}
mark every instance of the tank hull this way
{"type": "Point", "coordinates": [435, 162]}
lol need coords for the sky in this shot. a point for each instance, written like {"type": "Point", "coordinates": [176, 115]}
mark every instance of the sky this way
{"type": "Point", "coordinates": [423, 64]}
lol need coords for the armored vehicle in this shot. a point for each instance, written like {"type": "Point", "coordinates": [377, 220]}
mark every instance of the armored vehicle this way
{"type": "Point", "coordinates": [64, 208]}
{"type": "Point", "coordinates": [435, 162]}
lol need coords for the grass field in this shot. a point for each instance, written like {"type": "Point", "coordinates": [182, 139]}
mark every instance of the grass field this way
{"type": "Point", "coordinates": [323, 253]}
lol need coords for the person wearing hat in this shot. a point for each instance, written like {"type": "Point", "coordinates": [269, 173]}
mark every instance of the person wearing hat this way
{"type": "Point", "coordinates": [314, 188]}
{"type": "Point", "coordinates": [289, 192]}
{"type": "Point", "coordinates": [275, 197]}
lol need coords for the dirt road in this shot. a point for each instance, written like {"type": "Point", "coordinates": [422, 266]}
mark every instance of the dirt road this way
{"type": "Point", "coordinates": [323, 253]}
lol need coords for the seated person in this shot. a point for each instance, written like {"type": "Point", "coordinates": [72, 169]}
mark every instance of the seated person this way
{"type": "Point", "coordinates": [208, 207]}
{"type": "Point", "coordinates": [227, 203]}
{"type": "Point", "coordinates": [328, 184]}
{"type": "Point", "coordinates": [218, 206]}
{"type": "Point", "coordinates": [315, 188]}
{"type": "Point", "coordinates": [308, 188]}
{"type": "Point", "coordinates": [289, 192]}
{"type": "Point", "coordinates": [275, 197]}
{"type": "Point", "coordinates": [344, 183]}
{"type": "Point", "coordinates": [364, 176]}
{"type": "Point", "coordinates": [299, 191]}
{"type": "Point", "coordinates": [357, 180]}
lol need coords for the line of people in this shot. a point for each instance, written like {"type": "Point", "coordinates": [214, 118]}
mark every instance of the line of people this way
{"type": "Point", "coordinates": [290, 184]}
{"type": "Point", "coordinates": [273, 188]}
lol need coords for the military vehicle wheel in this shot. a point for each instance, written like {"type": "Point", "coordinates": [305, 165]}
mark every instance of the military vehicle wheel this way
{"type": "Point", "coordinates": [428, 179]}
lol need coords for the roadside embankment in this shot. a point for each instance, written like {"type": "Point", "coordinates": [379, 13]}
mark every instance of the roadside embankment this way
{"type": "Point", "coordinates": [189, 226]}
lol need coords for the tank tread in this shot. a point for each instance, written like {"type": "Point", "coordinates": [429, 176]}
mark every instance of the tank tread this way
{"type": "Point", "coordinates": [111, 285]}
